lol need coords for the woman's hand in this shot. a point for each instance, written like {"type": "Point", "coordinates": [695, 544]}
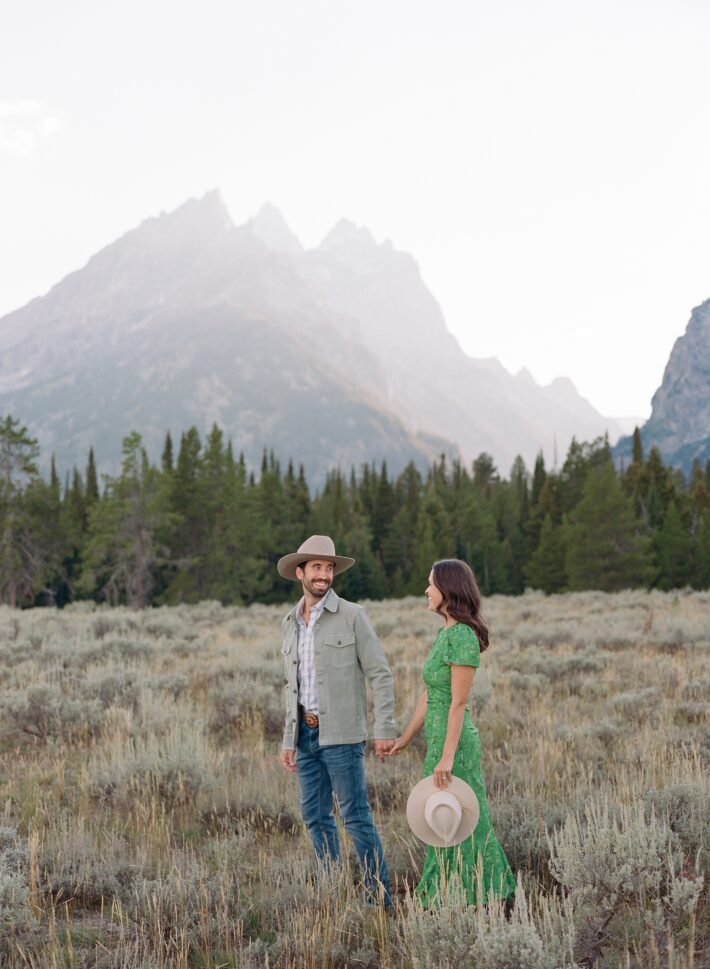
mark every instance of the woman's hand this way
{"type": "Point", "coordinates": [399, 744]}
{"type": "Point", "coordinates": [442, 772]}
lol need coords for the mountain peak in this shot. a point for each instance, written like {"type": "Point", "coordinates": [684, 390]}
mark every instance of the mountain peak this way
{"type": "Point", "coordinates": [346, 233]}
{"type": "Point", "coordinates": [270, 227]}
{"type": "Point", "coordinates": [524, 376]}
{"type": "Point", "coordinates": [207, 211]}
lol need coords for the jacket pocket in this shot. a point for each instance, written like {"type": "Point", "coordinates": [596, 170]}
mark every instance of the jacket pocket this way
{"type": "Point", "coordinates": [340, 649]}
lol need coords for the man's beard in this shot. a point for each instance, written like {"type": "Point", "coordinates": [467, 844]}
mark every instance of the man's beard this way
{"type": "Point", "coordinates": [317, 591]}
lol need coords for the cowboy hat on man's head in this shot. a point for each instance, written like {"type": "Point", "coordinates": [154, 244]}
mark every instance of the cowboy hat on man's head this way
{"type": "Point", "coordinates": [442, 817]}
{"type": "Point", "coordinates": [318, 547]}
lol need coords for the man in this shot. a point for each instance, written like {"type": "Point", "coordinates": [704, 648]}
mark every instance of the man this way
{"type": "Point", "coordinates": [329, 650]}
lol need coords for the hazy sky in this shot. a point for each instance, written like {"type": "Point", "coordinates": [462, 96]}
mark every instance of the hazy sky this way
{"type": "Point", "coordinates": [547, 163]}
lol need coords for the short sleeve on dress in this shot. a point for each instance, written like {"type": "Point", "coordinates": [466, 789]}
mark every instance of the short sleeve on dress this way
{"type": "Point", "coordinates": [462, 648]}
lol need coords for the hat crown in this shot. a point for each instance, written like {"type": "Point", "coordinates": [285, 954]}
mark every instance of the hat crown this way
{"type": "Point", "coordinates": [318, 545]}
{"type": "Point", "coordinates": [442, 812]}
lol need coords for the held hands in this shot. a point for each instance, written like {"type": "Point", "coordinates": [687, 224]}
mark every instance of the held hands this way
{"type": "Point", "coordinates": [383, 748]}
{"type": "Point", "coordinates": [442, 772]}
{"type": "Point", "coordinates": [397, 745]}
{"type": "Point", "coordinates": [287, 756]}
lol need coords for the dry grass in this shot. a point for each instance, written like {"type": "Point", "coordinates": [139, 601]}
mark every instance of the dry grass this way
{"type": "Point", "coordinates": [144, 821]}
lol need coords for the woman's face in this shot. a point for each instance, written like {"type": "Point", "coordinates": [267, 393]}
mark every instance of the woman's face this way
{"type": "Point", "coordinates": [433, 595]}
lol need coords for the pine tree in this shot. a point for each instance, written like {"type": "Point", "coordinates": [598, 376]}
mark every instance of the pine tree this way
{"type": "Point", "coordinates": [23, 558]}
{"type": "Point", "coordinates": [44, 504]}
{"type": "Point", "coordinates": [657, 488]}
{"type": "Point", "coordinates": [543, 501]}
{"type": "Point", "coordinates": [397, 548]}
{"type": "Point", "coordinates": [674, 551]}
{"type": "Point", "coordinates": [189, 517]}
{"type": "Point", "coordinates": [546, 568]}
{"type": "Point", "coordinates": [511, 510]}
{"type": "Point", "coordinates": [73, 525]}
{"type": "Point", "coordinates": [383, 509]}
{"type": "Point", "coordinates": [633, 477]}
{"type": "Point", "coordinates": [701, 555]}
{"type": "Point", "coordinates": [124, 548]}
{"type": "Point", "coordinates": [604, 547]}
{"type": "Point", "coordinates": [92, 481]}
{"type": "Point", "coordinates": [699, 496]}
{"type": "Point", "coordinates": [54, 479]}
{"type": "Point", "coordinates": [482, 548]}
{"type": "Point", "coordinates": [485, 474]}
{"type": "Point", "coordinates": [167, 456]}
{"type": "Point", "coordinates": [538, 479]}
{"type": "Point", "coordinates": [425, 553]}
{"type": "Point", "coordinates": [580, 460]}
{"type": "Point", "coordinates": [366, 579]}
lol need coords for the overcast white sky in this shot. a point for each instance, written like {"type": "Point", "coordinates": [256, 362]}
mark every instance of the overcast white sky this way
{"type": "Point", "coordinates": [547, 163]}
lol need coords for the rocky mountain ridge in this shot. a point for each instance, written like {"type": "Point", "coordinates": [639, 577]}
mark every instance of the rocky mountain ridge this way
{"type": "Point", "coordinates": [335, 355]}
{"type": "Point", "coordinates": [679, 425]}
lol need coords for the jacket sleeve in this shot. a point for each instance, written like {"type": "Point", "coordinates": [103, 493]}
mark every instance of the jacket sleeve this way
{"type": "Point", "coordinates": [288, 741]}
{"type": "Point", "coordinates": [378, 674]}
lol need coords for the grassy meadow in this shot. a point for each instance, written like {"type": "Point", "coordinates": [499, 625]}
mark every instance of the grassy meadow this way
{"type": "Point", "coordinates": [145, 822]}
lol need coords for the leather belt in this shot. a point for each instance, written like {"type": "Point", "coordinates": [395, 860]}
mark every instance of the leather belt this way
{"type": "Point", "coordinates": [311, 719]}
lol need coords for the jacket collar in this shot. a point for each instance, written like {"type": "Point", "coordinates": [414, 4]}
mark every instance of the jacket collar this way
{"type": "Point", "coordinates": [331, 601]}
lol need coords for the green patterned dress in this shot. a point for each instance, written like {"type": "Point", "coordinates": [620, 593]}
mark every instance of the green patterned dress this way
{"type": "Point", "coordinates": [478, 867]}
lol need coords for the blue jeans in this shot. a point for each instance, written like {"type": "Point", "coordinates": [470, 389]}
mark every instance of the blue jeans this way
{"type": "Point", "coordinates": [339, 769]}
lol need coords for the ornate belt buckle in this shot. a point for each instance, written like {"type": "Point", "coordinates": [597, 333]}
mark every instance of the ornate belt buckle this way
{"type": "Point", "coordinates": [311, 719]}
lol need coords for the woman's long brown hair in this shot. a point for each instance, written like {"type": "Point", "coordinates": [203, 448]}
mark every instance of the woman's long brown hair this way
{"type": "Point", "coordinates": [461, 597]}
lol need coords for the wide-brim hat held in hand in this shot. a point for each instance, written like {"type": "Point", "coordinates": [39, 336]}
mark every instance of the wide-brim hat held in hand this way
{"type": "Point", "coordinates": [318, 547]}
{"type": "Point", "coordinates": [442, 818]}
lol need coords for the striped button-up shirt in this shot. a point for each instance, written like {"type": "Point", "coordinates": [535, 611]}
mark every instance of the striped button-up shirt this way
{"type": "Point", "coordinates": [307, 693]}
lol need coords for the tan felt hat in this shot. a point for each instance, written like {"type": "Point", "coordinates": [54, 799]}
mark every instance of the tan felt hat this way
{"type": "Point", "coordinates": [442, 817]}
{"type": "Point", "coordinates": [319, 547]}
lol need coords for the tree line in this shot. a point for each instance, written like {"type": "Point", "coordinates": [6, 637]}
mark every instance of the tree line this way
{"type": "Point", "coordinates": [201, 525]}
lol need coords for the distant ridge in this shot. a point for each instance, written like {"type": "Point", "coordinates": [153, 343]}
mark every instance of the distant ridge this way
{"type": "Point", "coordinates": [679, 425]}
{"type": "Point", "coordinates": [334, 356]}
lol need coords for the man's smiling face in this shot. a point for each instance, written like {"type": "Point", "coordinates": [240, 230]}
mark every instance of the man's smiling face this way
{"type": "Point", "coordinates": [316, 577]}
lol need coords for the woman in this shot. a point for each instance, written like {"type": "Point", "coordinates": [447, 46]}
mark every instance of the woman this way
{"type": "Point", "coordinates": [453, 745]}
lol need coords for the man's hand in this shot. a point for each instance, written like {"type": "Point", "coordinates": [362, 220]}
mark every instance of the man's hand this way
{"type": "Point", "coordinates": [287, 759]}
{"type": "Point", "coordinates": [381, 749]}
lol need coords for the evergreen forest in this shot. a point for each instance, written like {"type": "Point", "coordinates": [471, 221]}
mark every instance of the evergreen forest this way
{"type": "Point", "coordinates": [200, 525]}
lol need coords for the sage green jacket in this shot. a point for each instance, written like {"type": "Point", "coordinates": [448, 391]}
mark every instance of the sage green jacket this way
{"type": "Point", "coordinates": [347, 653]}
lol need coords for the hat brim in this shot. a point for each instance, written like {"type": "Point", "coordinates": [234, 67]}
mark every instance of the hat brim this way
{"type": "Point", "coordinates": [470, 811]}
{"type": "Point", "coordinates": [287, 565]}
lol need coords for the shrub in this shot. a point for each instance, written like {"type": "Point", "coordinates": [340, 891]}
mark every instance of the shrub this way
{"type": "Point", "coordinates": [175, 767]}
{"type": "Point", "coordinates": [195, 899]}
{"type": "Point", "coordinates": [45, 712]}
{"type": "Point", "coordinates": [15, 911]}
{"type": "Point", "coordinates": [521, 940]}
{"type": "Point", "coordinates": [612, 862]}
{"type": "Point", "coordinates": [610, 857]}
{"type": "Point", "coordinates": [175, 684]}
{"type": "Point", "coordinates": [79, 863]}
{"type": "Point", "coordinates": [637, 703]}
{"type": "Point", "coordinates": [439, 938]}
{"type": "Point", "coordinates": [239, 704]}
{"type": "Point", "coordinates": [685, 808]}
{"type": "Point", "coordinates": [115, 688]}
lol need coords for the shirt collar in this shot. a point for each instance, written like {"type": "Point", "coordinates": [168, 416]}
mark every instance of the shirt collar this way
{"type": "Point", "coordinates": [316, 609]}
